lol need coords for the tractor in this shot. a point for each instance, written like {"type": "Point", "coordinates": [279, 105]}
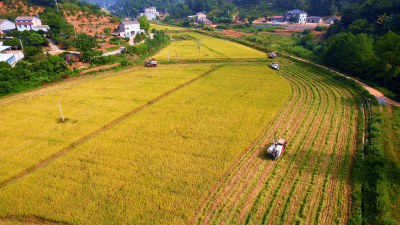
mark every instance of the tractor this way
{"type": "Point", "coordinates": [276, 149]}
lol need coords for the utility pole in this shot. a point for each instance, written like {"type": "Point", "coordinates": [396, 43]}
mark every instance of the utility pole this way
{"type": "Point", "coordinates": [199, 50]}
{"type": "Point", "coordinates": [157, 25]}
{"type": "Point", "coordinates": [56, 4]}
{"type": "Point", "coordinates": [60, 111]}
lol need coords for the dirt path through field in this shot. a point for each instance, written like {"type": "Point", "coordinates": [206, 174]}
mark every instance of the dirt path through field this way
{"type": "Point", "coordinates": [379, 95]}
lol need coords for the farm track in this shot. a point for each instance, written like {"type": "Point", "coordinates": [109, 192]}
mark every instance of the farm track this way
{"type": "Point", "coordinates": [312, 176]}
{"type": "Point", "coordinates": [55, 156]}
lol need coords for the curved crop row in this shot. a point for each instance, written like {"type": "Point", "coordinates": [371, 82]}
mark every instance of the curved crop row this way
{"type": "Point", "coordinates": [309, 183]}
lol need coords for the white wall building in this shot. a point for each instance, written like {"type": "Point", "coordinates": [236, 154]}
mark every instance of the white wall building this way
{"type": "Point", "coordinates": [30, 23]}
{"type": "Point", "coordinates": [6, 25]}
{"type": "Point", "coordinates": [129, 29]}
{"type": "Point", "coordinates": [300, 16]}
{"type": "Point", "coordinates": [151, 13]}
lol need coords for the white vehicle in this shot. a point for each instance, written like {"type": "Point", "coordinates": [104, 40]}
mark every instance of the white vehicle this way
{"type": "Point", "coordinates": [276, 150]}
{"type": "Point", "coordinates": [274, 66]}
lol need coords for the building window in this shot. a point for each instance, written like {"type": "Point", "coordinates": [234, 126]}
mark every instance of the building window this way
{"type": "Point", "coordinates": [25, 26]}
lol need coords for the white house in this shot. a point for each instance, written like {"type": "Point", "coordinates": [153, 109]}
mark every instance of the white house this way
{"type": "Point", "coordinates": [200, 17]}
{"type": "Point", "coordinates": [314, 19]}
{"type": "Point", "coordinates": [299, 15]}
{"type": "Point", "coordinates": [151, 13]}
{"type": "Point", "coordinates": [30, 23]}
{"type": "Point", "coordinates": [129, 28]}
{"type": "Point", "coordinates": [6, 25]}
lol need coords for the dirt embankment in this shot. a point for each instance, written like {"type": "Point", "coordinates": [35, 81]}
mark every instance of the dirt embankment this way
{"type": "Point", "coordinates": [90, 24]}
{"type": "Point", "coordinates": [232, 33]}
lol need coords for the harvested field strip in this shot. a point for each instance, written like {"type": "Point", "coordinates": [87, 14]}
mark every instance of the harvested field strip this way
{"type": "Point", "coordinates": [320, 127]}
{"type": "Point", "coordinates": [306, 97]}
{"type": "Point", "coordinates": [335, 121]}
{"type": "Point", "coordinates": [301, 178]}
{"type": "Point", "coordinates": [295, 159]}
{"type": "Point", "coordinates": [235, 174]}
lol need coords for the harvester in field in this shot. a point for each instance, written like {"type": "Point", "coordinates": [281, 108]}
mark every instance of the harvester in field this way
{"type": "Point", "coordinates": [151, 63]}
{"type": "Point", "coordinates": [277, 147]}
{"type": "Point", "coordinates": [272, 55]}
{"type": "Point", "coordinates": [274, 66]}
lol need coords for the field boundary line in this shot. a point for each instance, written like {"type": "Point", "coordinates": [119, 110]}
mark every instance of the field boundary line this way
{"type": "Point", "coordinates": [55, 156]}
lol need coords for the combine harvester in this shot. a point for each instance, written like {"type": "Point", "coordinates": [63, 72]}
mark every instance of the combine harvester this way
{"type": "Point", "coordinates": [274, 66]}
{"type": "Point", "coordinates": [151, 63]}
{"type": "Point", "coordinates": [272, 55]}
{"type": "Point", "coordinates": [276, 150]}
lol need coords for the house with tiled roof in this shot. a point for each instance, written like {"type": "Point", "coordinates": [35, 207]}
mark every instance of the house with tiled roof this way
{"type": "Point", "coordinates": [30, 23]}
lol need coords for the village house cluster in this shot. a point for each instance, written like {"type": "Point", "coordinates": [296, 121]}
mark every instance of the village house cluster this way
{"type": "Point", "coordinates": [298, 16]}
{"type": "Point", "coordinates": [21, 23]}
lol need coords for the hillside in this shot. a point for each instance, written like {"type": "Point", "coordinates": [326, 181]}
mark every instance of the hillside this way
{"type": "Point", "coordinates": [12, 8]}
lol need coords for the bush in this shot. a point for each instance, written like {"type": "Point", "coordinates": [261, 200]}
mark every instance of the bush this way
{"type": "Point", "coordinates": [321, 28]}
{"type": "Point", "coordinates": [306, 31]}
{"type": "Point", "coordinates": [5, 65]}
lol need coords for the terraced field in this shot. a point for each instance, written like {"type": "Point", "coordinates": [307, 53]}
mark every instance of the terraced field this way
{"type": "Point", "coordinates": [210, 49]}
{"type": "Point", "coordinates": [310, 183]}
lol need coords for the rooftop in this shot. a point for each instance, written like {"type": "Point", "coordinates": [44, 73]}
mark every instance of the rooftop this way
{"type": "Point", "coordinates": [129, 22]}
{"type": "Point", "coordinates": [5, 57]}
{"type": "Point", "coordinates": [24, 18]}
{"type": "Point", "coordinates": [297, 11]}
{"type": "Point", "coordinates": [4, 47]}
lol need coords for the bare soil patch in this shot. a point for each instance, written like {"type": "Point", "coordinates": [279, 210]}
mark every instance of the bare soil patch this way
{"type": "Point", "coordinates": [232, 33]}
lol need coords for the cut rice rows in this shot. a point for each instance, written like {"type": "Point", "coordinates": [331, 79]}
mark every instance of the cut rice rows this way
{"type": "Point", "coordinates": [309, 184]}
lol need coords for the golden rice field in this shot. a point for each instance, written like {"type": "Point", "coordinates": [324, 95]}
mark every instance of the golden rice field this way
{"type": "Point", "coordinates": [154, 166]}
{"type": "Point", "coordinates": [164, 27]}
{"type": "Point", "coordinates": [210, 48]}
{"type": "Point", "coordinates": [31, 132]}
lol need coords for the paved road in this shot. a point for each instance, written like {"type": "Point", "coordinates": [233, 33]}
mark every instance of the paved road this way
{"type": "Point", "coordinates": [379, 95]}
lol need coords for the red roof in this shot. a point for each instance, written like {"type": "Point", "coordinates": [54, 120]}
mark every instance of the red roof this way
{"type": "Point", "coordinates": [29, 23]}
{"type": "Point", "coordinates": [277, 17]}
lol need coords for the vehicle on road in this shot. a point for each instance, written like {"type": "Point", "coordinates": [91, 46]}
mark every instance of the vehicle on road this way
{"type": "Point", "coordinates": [277, 147]}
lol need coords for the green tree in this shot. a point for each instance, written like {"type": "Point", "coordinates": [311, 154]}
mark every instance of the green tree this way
{"type": "Point", "coordinates": [86, 44]}
{"type": "Point", "coordinates": [144, 23]}
{"type": "Point", "coordinates": [36, 39]}
{"type": "Point", "coordinates": [387, 49]}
